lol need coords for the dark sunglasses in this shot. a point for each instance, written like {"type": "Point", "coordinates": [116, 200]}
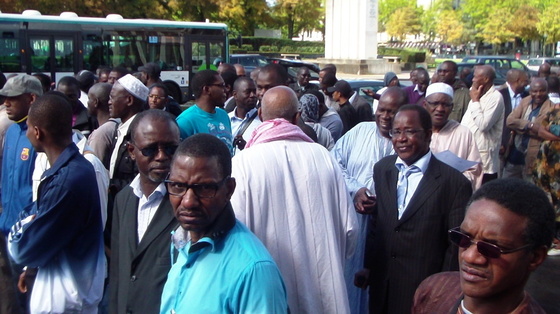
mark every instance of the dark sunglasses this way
{"type": "Point", "coordinates": [487, 249]}
{"type": "Point", "coordinates": [152, 150]}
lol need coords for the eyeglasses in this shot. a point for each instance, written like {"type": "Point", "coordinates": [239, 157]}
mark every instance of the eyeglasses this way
{"type": "Point", "coordinates": [486, 249]}
{"type": "Point", "coordinates": [152, 150]}
{"type": "Point", "coordinates": [154, 96]}
{"type": "Point", "coordinates": [437, 103]}
{"type": "Point", "coordinates": [222, 85]}
{"type": "Point", "coordinates": [207, 190]}
{"type": "Point", "coordinates": [409, 133]}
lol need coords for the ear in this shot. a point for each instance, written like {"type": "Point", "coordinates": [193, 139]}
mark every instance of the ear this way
{"type": "Point", "coordinates": [539, 255]}
{"type": "Point", "coordinates": [424, 103]}
{"type": "Point", "coordinates": [38, 133]}
{"type": "Point", "coordinates": [230, 186]}
{"type": "Point", "coordinates": [130, 149]}
{"type": "Point", "coordinates": [296, 118]}
{"type": "Point", "coordinates": [259, 113]}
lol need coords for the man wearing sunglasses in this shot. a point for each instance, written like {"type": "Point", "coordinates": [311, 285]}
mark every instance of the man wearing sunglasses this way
{"type": "Point", "coordinates": [505, 236]}
{"type": "Point", "coordinates": [143, 218]}
{"type": "Point", "coordinates": [220, 266]}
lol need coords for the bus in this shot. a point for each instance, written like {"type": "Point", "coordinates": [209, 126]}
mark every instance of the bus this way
{"type": "Point", "coordinates": [64, 45]}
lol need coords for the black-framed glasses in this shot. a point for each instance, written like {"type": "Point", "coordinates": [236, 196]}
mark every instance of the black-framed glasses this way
{"type": "Point", "coordinates": [409, 133]}
{"type": "Point", "coordinates": [152, 150]}
{"type": "Point", "coordinates": [487, 249]}
{"type": "Point", "coordinates": [435, 104]}
{"type": "Point", "coordinates": [205, 190]}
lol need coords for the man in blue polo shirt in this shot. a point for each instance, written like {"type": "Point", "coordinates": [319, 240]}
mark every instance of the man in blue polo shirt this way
{"type": "Point", "coordinates": [221, 267]}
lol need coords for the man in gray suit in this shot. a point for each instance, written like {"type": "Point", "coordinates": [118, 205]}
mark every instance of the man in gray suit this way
{"type": "Point", "coordinates": [143, 218]}
{"type": "Point", "coordinates": [419, 198]}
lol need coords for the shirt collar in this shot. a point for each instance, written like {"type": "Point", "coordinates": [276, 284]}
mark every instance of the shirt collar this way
{"type": "Point", "coordinates": [512, 94]}
{"type": "Point", "coordinates": [68, 153]}
{"type": "Point", "coordinates": [353, 97]}
{"type": "Point", "coordinates": [222, 225]}
{"type": "Point", "coordinates": [421, 163]}
{"type": "Point", "coordinates": [416, 89]}
{"type": "Point", "coordinates": [234, 117]}
{"type": "Point", "coordinates": [137, 188]}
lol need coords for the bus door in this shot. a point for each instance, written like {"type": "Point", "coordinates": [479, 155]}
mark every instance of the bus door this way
{"type": "Point", "coordinates": [53, 54]}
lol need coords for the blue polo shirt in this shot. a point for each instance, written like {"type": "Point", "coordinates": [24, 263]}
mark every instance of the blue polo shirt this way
{"type": "Point", "coordinates": [231, 273]}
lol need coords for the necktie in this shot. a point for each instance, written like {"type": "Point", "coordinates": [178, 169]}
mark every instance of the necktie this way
{"type": "Point", "coordinates": [402, 185]}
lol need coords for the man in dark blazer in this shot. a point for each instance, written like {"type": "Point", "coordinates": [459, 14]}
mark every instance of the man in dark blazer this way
{"type": "Point", "coordinates": [302, 85]}
{"type": "Point", "coordinates": [513, 92]}
{"type": "Point", "coordinates": [143, 218]}
{"type": "Point", "coordinates": [408, 242]}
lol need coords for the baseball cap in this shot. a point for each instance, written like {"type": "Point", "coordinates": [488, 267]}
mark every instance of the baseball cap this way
{"type": "Point", "coordinates": [151, 68]}
{"type": "Point", "coordinates": [341, 86]}
{"type": "Point", "coordinates": [21, 84]}
{"type": "Point", "coordinates": [134, 86]}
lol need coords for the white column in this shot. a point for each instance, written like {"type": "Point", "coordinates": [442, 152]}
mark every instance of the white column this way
{"type": "Point", "coordinates": [351, 29]}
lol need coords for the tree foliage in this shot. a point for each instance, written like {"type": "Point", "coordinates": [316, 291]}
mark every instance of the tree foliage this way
{"type": "Point", "coordinates": [450, 27]}
{"type": "Point", "coordinates": [403, 22]}
{"type": "Point", "coordinates": [295, 16]}
{"type": "Point", "coordinates": [387, 8]}
{"type": "Point", "coordinates": [549, 24]}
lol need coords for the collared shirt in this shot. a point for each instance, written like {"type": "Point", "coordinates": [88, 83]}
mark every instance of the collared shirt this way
{"type": "Point", "coordinates": [227, 271]}
{"type": "Point", "coordinates": [238, 123]}
{"type": "Point", "coordinates": [121, 133]}
{"type": "Point", "coordinates": [515, 98]}
{"type": "Point", "coordinates": [417, 89]}
{"type": "Point", "coordinates": [351, 100]}
{"type": "Point", "coordinates": [147, 206]}
{"type": "Point", "coordinates": [414, 178]}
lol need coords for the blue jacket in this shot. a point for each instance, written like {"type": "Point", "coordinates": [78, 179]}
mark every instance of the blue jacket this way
{"type": "Point", "coordinates": [17, 168]}
{"type": "Point", "coordinates": [66, 234]}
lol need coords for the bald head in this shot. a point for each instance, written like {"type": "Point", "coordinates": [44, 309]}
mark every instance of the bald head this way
{"type": "Point", "coordinates": [517, 80]}
{"type": "Point", "coordinates": [544, 70]}
{"type": "Point", "coordinates": [279, 102]}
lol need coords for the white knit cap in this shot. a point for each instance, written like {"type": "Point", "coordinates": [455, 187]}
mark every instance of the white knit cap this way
{"type": "Point", "coordinates": [439, 88]}
{"type": "Point", "coordinates": [134, 86]}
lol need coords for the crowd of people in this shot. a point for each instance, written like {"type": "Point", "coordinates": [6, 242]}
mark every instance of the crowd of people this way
{"type": "Point", "coordinates": [271, 196]}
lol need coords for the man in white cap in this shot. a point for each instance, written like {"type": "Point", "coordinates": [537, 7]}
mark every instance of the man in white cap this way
{"type": "Point", "coordinates": [18, 162]}
{"type": "Point", "coordinates": [450, 135]}
{"type": "Point", "coordinates": [127, 98]}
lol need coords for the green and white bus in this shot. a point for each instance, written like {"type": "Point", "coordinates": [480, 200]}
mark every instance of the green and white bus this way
{"type": "Point", "coordinates": [66, 44]}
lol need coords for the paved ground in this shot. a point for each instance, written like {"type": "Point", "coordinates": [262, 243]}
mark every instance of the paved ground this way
{"type": "Point", "coordinates": [544, 285]}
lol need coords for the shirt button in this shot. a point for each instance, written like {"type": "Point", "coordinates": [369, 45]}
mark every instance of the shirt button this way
{"type": "Point", "coordinates": [133, 278]}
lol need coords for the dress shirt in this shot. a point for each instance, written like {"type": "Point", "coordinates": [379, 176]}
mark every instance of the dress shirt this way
{"type": "Point", "coordinates": [121, 133]}
{"type": "Point", "coordinates": [515, 98]}
{"type": "Point", "coordinates": [147, 206]}
{"type": "Point", "coordinates": [414, 178]}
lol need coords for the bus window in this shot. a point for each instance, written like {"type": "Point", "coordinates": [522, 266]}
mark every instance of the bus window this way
{"type": "Point", "coordinates": [40, 51]}
{"type": "Point", "coordinates": [167, 50]}
{"type": "Point", "coordinates": [9, 53]}
{"type": "Point", "coordinates": [64, 55]}
{"type": "Point", "coordinates": [216, 53]}
{"type": "Point", "coordinates": [199, 57]}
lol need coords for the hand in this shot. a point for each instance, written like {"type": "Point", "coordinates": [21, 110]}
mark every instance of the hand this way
{"type": "Point", "coordinates": [364, 201]}
{"type": "Point", "coordinates": [361, 278]}
{"type": "Point", "coordinates": [502, 149]}
{"type": "Point", "coordinates": [22, 287]}
{"type": "Point", "coordinates": [476, 92]}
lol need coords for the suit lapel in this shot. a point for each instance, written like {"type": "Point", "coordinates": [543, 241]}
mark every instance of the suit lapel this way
{"type": "Point", "coordinates": [131, 220]}
{"type": "Point", "coordinates": [392, 175]}
{"type": "Point", "coordinates": [161, 220]}
{"type": "Point", "coordinates": [427, 186]}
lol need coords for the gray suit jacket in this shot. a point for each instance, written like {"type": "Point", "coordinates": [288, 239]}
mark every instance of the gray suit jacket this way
{"type": "Point", "coordinates": [400, 253]}
{"type": "Point", "coordinates": [363, 108]}
{"type": "Point", "coordinates": [139, 270]}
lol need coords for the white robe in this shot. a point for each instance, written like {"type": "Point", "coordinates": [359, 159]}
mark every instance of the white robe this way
{"type": "Point", "coordinates": [356, 152]}
{"type": "Point", "coordinates": [292, 195]}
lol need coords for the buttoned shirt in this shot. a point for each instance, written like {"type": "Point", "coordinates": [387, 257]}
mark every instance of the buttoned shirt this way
{"type": "Point", "coordinates": [414, 178]}
{"type": "Point", "coordinates": [147, 206]}
{"type": "Point", "coordinates": [121, 133]}
{"type": "Point", "coordinates": [515, 98]}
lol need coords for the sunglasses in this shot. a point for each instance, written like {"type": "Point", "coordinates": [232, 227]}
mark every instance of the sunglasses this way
{"type": "Point", "coordinates": [486, 249]}
{"type": "Point", "coordinates": [152, 150]}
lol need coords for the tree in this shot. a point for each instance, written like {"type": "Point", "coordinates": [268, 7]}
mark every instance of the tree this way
{"type": "Point", "coordinates": [244, 16]}
{"type": "Point", "coordinates": [388, 7]}
{"type": "Point", "coordinates": [294, 16]}
{"type": "Point", "coordinates": [549, 24]}
{"type": "Point", "coordinates": [449, 27]}
{"type": "Point", "coordinates": [403, 22]}
{"type": "Point", "coordinates": [495, 31]}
